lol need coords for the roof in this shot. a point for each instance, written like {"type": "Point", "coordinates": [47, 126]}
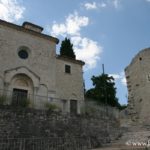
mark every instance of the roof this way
{"type": "Point", "coordinates": [21, 28]}
{"type": "Point", "coordinates": [34, 25]}
{"type": "Point", "coordinates": [70, 60]}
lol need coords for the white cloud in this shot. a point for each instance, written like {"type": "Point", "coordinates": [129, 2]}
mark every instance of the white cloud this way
{"type": "Point", "coordinates": [11, 10]}
{"type": "Point", "coordinates": [102, 5]}
{"type": "Point", "coordinates": [121, 77]}
{"type": "Point", "coordinates": [59, 29]}
{"type": "Point", "coordinates": [90, 6]}
{"type": "Point", "coordinates": [124, 81]}
{"type": "Point", "coordinates": [116, 3]}
{"type": "Point", "coordinates": [85, 48]}
{"type": "Point", "coordinates": [94, 5]}
{"type": "Point", "coordinates": [115, 76]}
{"type": "Point", "coordinates": [72, 25]}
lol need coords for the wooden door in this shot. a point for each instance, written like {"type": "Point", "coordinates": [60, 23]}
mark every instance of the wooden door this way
{"type": "Point", "coordinates": [19, 96]}
{"type": "Point", "coordinates": [73, 106]}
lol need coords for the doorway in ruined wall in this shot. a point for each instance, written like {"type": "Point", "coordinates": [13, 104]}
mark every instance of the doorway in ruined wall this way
{"type": "Point", "coordinates": [73, 106]}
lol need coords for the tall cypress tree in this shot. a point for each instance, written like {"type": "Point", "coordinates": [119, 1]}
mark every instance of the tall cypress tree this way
{"type": "Point", "coordinates": [66, 49]}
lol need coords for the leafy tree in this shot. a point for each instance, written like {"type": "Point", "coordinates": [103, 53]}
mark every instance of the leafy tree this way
{"type": "Point", "coordinates": [66, 49]}
{"type": "Point", "coordinates": [122, 107]}
{"type": "Point", "coordinates": [104, 90]}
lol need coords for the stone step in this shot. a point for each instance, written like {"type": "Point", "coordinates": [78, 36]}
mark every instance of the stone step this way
{"type": "Point", "coordinates": [137, 133]}
{"type": "Point", "coordinates": [122, 148]}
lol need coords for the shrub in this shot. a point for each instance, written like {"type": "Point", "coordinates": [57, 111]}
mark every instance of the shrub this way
{"type": "Point", "coordinates": [52, 107]}
{"type": "Point", "coordinates": [2, 99]}
{"type": "Point", "coordinates": [89, 110]}
{"type": "Point", "coordinates": [24, 102]}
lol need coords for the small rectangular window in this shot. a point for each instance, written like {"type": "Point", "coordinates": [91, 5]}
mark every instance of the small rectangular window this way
{"type": "Point", "coordinates": [67, 69]}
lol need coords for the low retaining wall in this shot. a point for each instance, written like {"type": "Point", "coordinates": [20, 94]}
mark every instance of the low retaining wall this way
{"type": "Point", "coordinates": [18, 123]}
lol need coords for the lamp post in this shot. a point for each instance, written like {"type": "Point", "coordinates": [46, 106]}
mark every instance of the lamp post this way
{"type": "Point", "coordinates": [105, 95]}
{"type": "Point", "coordinates": [105, 92]}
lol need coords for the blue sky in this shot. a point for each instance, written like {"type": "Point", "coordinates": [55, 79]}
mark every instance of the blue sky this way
{"type": "Point", "coordinates": [109, 32]}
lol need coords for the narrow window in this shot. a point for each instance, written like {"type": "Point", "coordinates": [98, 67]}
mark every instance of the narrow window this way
{"type": "Point", "coordinates": [67, 69]}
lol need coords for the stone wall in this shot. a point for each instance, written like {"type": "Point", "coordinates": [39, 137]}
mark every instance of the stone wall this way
{"type": "Point", "coordinates": [29, 123]}
{"type": "Point", "coordinates": [70, 85]}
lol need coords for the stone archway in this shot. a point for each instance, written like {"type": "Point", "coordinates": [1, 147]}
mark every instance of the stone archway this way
{"type": "Point", "coordinates": [9, 74]}
{"type": "Point", "coordinates": [22, 87]}
{"type": "Point", "coordinates": [22, 81]}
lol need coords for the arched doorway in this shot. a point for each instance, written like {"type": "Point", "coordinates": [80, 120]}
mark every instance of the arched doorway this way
{"type": "Point", "coordinates": [22, 87]}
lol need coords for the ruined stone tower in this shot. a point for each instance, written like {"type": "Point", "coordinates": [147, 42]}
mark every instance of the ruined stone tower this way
{"type": "Point", "coordinates": [138, 83]}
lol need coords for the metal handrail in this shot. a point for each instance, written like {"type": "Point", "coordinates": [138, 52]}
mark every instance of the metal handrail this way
{"type": "Point", "coordinates": [36, 101]}
{"type": "Point", "coordinates": [46, 143]}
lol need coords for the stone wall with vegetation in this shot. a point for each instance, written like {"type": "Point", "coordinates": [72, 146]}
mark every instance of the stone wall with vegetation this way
{"type": "Point", "coordinates": [29, 123]}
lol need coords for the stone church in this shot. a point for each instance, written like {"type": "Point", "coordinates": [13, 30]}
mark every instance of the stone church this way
{"type": "Point", "coordinates": [31, 68]}
{"type": "Point", "coordinates": [138, 83]}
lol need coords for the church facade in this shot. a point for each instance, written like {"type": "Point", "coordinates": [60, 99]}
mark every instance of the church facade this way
{"type": "Point", "coordinates": [30, 66]}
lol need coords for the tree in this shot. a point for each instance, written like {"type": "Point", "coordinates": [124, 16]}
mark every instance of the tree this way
{"type": "Point", "coordinates": [66, 49]}
{"type": "Point", "coordinates": [104, 90]}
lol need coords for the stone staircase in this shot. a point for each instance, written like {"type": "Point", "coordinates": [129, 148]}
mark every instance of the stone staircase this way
{"type": "Point", "coordinates": [135, 137]}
